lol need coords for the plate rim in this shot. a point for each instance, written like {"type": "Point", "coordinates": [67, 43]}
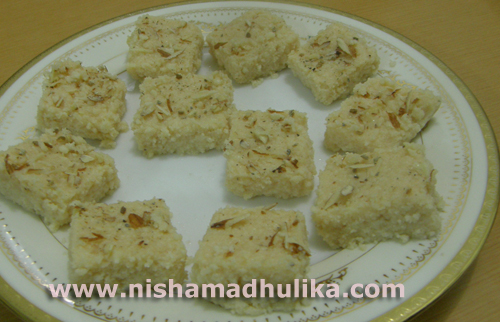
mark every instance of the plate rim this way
{"type": "Point", "coordinates": [412, 306]}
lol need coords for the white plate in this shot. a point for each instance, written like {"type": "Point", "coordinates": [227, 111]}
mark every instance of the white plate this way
{"type": "Point", "coordinates": [458, 140]}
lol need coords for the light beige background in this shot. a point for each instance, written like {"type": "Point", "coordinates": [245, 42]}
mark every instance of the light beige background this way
{"type": "Point", "coordinates": [464, 34]}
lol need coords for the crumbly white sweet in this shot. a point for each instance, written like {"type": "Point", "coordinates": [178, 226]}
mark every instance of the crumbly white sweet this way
{"type": "Point", "coordinates": [160, 46]}
{"type": "Point", "coordinates": [184, 114]}
{"type": "Point", "coordinates": [50, 173]}
{"type": "Point", "coordinates": [89, 101]}
{"type": "Point", "coordinates": [269, 153]}
{"type": "Point", "coordinates": [125, 243]}
{"type": "Point", "coordinates": [255, 243]}
{"type": "Point", "coordinates": [379, 114]}
{"type": "Point", "coordinates": [252, 46]}
{"type": "Point", "coordinates": [376, 196]}
{"type": "Point", "coordinates": [333, 62]}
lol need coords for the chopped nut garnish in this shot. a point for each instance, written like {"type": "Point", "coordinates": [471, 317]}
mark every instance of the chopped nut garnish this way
{"type": "Point", "coordinates": [86, 158]}
{"type": "Point", "coordinates": [163, 52]}
{"type": "Point", "coordinates": [95, 98]}
{"type": "Point", "coordinates": [229, 222]}
{"type": "Point", "coordinates": [97, 237]}
{"type": "Point", "coordinates": [271, 242]}
{"type": "Point", "coordinates": [8, 166]}
{"type": "Point", "coordinates": [279, 169]}
{"type": "Point", "coordinates": [394, 120]}
{"type": "Point", "coordinates": [236, 219]}
{"type": "Point", "coordinates": [257, 152]}
{"type": "Point", "coordinates": [148, 110]}
{"type": "Point", "coordinates": [261, 135]}
{"type": "Point", "coordinates": [347, 190]}
{"type": "Point", "coordinates": [361, 165]}
{"type": "Point", "coordinates": [332, 201]}
{"type": "Point", "coordinates": [343, 46]}
{"type": "Point", "coordinates": [244, 144]}
{"type": "Point", "coordinates": [220, 224]}
{"type": "Point", "coordinates": [264, 209]}
{"type": "Point", "coordinates": [217, 45]}
{"type": "Point", "coordinates": [294, 162]}
{"type": "Point", "coordinates": [135, 221]}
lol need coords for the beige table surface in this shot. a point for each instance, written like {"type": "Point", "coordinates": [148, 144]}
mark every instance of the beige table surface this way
{"type": "Point", "coordinates": [464, 34]}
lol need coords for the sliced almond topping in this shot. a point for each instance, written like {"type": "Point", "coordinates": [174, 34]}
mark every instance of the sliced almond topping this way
{"type": "Point", "coordinates": [135, 221]}
{"type": "Point", "coordinates": [148, 109]}
{"type": "Point", "coordinates": [331, 201]}
{"type": "Point", "coordinates": [237, 219]}
{"type": "Point", "coordinates": [220, 224]}
{"type": "Point", "coordinates": [260, 134]}
{"type": "Point", "coordinates": [164, 52]}
{"type": "Point", "coordinates": [343, 46]}
{"type": "Point", "coordinates": [347, 190]}
{"type": "Point", "coordinates": [95, 98]}
{"type": "Point", "coordinates": [203, 95]}
{"type": "Point", "coordinates": [244, 144]}
{"type": "Point", "coordinates": [219, 44]}
{"type": "Point", "coordinates": [97, 237]}
{"type": "Point", "coordinates": [86, 158]}
{"type": "Point", "coordinates": [394, 121]}
{"type": "Point", "coordinates": [361, 165]}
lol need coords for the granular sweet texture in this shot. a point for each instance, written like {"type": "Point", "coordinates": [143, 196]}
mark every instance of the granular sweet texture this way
{"type": "Point", "coordinates": [125, 243]}
{"type": "Point", "coordinates": [252, 46]}
{"type": "Point", "coordinates": [333, 62]}
{"type": "Point", "coordinates": [48, 174]}
{"type": "Point", "coordinates": [382, 195]}
{"type": "Point", "coordinates": [254, 243]}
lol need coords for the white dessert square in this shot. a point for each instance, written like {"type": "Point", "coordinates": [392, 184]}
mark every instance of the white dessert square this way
{"type": "Point", "coordinates": [388, 194]}
{"type": "Point", "coordinates": [125, 243]}
{"type": "Point", "coordinates": [252, 46]}
{"type": "Point", "coordinates": [269, 153]}
{"type": "Point", "coordinates": [333, 62]}
{"type": "Point", "coordinates": [89, 101]}
{"type": "Point", "coordinates": [255, 243]}
{"type": "Point", "coordinates": [184, 114]}
{"type": "Point", "coordinates": [379, 114]}
{"type": "Point", "coordinates": [160, 46]}
{"type": "Point", "coordinates": [50, 173]}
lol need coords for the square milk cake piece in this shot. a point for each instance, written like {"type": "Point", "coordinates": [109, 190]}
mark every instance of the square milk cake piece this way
{"type": "Point", "coordinates": [379, 114]}
{"type": "Point", "coordinates": [125, 243]}
{"type": "Point", "coordinates": [269, 153]}
{"type": "Point", "coordinates": [160, 46]}
{"type": "Point", "coordinates": [252, 46]}
{"type": "Point", "coordinates": [184, 114]}
{"type": "Point", "coordinates": [89, 101]}
{"type": "Point", "coordinates": [50, 173]}
{"type": "Point", "coordinates": [388, 194]}
{"type": "Point", "coordinates": [333, 62]}
{"type": "Point", "coordinates": [254, 243]}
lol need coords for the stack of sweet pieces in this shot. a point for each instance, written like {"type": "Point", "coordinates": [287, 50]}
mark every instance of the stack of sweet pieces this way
{"type": "Point", "coordinates": [255, 243]}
